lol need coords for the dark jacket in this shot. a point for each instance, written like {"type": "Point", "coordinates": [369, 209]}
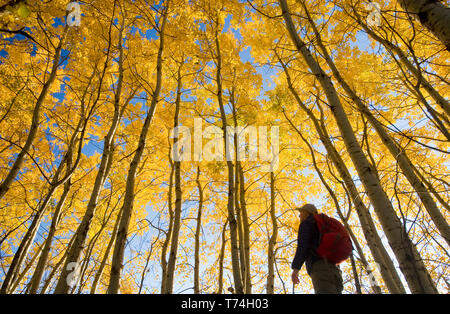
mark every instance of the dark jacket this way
{"type": "Point", "coordinates": [307, 242]}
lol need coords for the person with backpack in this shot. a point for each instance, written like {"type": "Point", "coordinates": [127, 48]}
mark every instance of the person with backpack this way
{"type": "Point", "coordinates": [323, 243]}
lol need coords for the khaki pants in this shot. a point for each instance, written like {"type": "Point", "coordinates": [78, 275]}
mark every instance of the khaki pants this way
{"type": "Point", "coordinates": [326, 278]}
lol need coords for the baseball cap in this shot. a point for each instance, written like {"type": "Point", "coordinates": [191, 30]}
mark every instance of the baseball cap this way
{"type": "Point", "coordinates": [309, 208]}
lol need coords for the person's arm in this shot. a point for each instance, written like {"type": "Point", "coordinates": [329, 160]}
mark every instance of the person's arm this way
{"type": "Point", "coordinates": [294, 276]}
{"type": "Point", "coordinates": [303, 244]}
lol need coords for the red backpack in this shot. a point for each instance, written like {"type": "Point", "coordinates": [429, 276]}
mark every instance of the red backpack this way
{"type": "Point", "coordinates": [335, 244]}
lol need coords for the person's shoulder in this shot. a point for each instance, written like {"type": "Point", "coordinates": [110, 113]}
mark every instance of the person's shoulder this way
{"type": "Point", "coordinates": [309, 221]}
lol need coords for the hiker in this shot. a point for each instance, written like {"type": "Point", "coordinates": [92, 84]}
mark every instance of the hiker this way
{"type": "Point", "coordinates": [321, 263]}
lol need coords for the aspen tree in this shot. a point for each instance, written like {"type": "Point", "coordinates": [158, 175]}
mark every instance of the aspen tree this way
{"type": "Point", "coordinates": [239, 288]}
{"type": "Point", "coordinates": [409, 259]}
{"type": "Point", "coordinates": [82, 231]}
{"type": "Point", "coordinates": [378, 251]}
{"type": "Point", "coordinates": [119, 246]}
{"type": "Point", "coordinates": [17, 165]}
{"type": "Point", "coordinates": [400, 156]}
{"type": "Point", "coordinates": [434, 15]}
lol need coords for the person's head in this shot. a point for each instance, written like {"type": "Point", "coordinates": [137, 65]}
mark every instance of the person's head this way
{"type": "Point", "coordinates": [306, 210]}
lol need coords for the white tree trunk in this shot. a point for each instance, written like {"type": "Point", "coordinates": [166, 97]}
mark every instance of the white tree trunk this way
{"type": "Point", "coordinates": [170, 272]}
{"type": "Point", "coordinates": [5, 185]}
{"type": "Point", "coordinates": [433, 14]}
{"type": "Point", "coordinates": [272, 240]}
{"type": "Point", "coordinates": [231, 186]}
{"type": "Point", "coordinates": [75, 250]}
{"type": "Point", "coordinates": [127, 208]}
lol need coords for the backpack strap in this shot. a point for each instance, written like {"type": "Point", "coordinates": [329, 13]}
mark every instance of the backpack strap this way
{"type": "Point", "coordinates": [320, 226]}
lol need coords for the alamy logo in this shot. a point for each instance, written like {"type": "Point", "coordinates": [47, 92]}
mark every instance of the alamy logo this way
{"type": "Point", "coordinates": [371, 274]}
{"type": "Point", "coordinates": [72, 276]}
{"type": "Point", "coordinates": [374, 17]}
{"type": "Point", "coordinates": [74, 15]}
{"type": "Point", "coordinates": [258, 147]}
